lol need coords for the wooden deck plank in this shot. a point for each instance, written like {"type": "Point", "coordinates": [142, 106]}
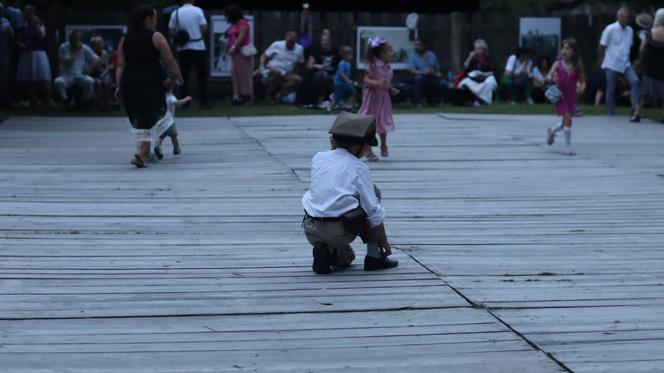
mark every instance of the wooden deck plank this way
{"type": "Point", "coordinates": [515, 227]}
{"type": "Point", "coordinates": [199, 263]}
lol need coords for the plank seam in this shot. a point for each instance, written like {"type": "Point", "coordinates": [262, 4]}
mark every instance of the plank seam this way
{"type": "Point", "coordinates": [490, 312]}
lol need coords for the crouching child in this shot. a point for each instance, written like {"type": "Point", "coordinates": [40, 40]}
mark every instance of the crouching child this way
{"type": "Point", "coordinates": [342, 201]}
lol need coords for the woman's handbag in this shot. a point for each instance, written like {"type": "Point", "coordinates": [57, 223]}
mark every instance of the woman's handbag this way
{"type": "Point", "coordinates": [553, 94]}
{"type": "Point", "coordinates": [248, 50]}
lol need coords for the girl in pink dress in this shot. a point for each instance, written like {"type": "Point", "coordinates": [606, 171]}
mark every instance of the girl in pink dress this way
{"type": "Point", "coordinates": [376, 99]}
{"type": "Point", "coordinates": [568, 75]}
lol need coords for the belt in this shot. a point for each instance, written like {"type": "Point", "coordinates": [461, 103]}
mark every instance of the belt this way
{"type": "Point", "coordinates": [322, 219]}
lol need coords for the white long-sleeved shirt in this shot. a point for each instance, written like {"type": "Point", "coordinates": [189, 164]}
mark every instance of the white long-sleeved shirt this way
{"type": "Point", "coordinates": [340, 182]}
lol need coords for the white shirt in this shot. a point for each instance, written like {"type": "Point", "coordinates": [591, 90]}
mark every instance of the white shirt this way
{"type": "Point", "coordinates": [189, 18]}
{"type": "Point", "coordinates": [340, 182]}
{"type": "Point", "coordinates": [170, 104]}
{"type": "Point", "coordinates": [282, 58]}
{"type": "Point", "coordinates": [537, 75]}
{"type": "Point", "coordinates": [517, 67]}
{"type": "Point", "coordinates": [618, 41]}
{"type": "Point", "coordinates": [78, 66]}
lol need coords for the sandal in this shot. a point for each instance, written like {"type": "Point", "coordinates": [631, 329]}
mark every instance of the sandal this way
{"type": "Point", "coordinates": [372, 157]}
{"type": "Point", "coordinates": [383, 151]}
{"type": "Point", "coordinates": [138, 161]}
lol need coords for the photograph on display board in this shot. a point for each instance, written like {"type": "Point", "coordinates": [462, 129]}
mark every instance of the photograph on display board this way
{"type": "Point", "coordinates": [220, 62]}
{"type": "Point", "coordinates": [112, 34]}
{"type": "Point", "coordinates": [399, 37]}
{"type": "Point", "coordinates": [541, 35]}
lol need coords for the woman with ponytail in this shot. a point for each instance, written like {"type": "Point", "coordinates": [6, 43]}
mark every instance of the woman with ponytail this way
{"type": "Point", "coordinates": [140, 75]}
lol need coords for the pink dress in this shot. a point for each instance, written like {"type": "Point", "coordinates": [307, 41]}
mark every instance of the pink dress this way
{"type": "Point", "coordinates": [566, 82]}
{"type": "Point", "coordinates": [377, 101]}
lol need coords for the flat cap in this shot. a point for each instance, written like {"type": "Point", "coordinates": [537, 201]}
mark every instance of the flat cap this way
{"type": "Point", "coordinates": [354, 129]}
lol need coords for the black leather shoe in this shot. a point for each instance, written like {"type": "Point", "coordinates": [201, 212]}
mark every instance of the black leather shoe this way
{"type": "Point", "coordinates": [635, 119]}
{"type": "Point", "coordinates": [321, 259]}
{"type": "Point", "coordinates": [372, 264]}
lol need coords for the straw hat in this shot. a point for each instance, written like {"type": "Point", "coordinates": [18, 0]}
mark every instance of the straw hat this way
{"type": "Point", "coordinates": [644, 20]}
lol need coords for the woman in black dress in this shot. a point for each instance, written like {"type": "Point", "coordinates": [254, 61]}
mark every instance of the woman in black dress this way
{"type": "Point", "coordinates": [141, 77]}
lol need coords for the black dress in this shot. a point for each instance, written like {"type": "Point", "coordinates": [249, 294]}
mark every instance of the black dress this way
{"type": "Point", "coordinates": [652, 84]}
{"type": "Point", "coordinates": [142, 86]}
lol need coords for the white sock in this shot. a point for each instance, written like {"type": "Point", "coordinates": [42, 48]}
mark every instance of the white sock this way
{"type": "Point", "coordinates": [568, 136]}
{"type": "Point", "coordinates": [557, 127]}
{"type": "Point", "coordinates": [372, 250]}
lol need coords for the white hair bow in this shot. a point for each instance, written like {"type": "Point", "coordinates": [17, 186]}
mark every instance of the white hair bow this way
{"type": "Point", "coordinates": [376, 41]}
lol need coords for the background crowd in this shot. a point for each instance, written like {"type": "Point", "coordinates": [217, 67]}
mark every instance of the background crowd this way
{"type": "Point", "coordinates": [322, 74]}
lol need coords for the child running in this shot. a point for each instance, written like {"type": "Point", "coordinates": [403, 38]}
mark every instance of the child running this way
{"type": "Point", "coordinates": [376, 99]}
{"type": "Point", "coordinates": [344, 86]}
{"type": "Point", "coordinates": [171, 102]}
{"type": "Point", "coordinates": [568, 75]}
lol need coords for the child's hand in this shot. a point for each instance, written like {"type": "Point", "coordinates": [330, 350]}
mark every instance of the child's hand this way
{"type": "Point", "coordinates": [394, 91]}
{"type": "Point", "coordinates": [188, 99]}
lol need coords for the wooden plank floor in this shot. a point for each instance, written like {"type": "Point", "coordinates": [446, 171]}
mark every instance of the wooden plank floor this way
{"type": "Point", "coordinates": [569, 252]}
{"type": "Point", "coordinates": [512, 258]}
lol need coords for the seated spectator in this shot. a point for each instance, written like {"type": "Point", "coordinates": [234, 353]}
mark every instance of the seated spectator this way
{"type": "Point", "coordinates": [6, 39]}
{"type": "Point", "coordinates": [518, 75]}
{"type": "Point", "coordinates": [479, 77]}
{"type": "Point", "coordinates": [344, 86]}
{"type": "Point", "coordinates": [102, 73]}
{"type": "Point", "coordinates": [426, 75]}
{"type": "Point", "coordinates": [321, 67]}
{"type": "Point", "coordinates": [278, 65]}
{"type": "Point", "coordinates": [33, 73]}
{"type": "Point", "coordinates": [539, 78]}
{"type": "Point", "coordinates": [76, 60]}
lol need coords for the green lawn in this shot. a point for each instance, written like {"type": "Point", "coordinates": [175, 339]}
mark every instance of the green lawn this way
{"type": "Point", "coordinates": [223, 109]}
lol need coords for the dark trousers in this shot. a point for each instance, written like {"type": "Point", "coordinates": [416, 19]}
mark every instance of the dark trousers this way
{"type": "Point", "coordinates": [321, 84]}
{"type": "Point", "coordinates": [197, 59]}
{"type": "Point", "coordinates": [430, 86]}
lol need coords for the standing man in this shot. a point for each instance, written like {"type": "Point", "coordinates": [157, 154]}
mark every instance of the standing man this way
{"type": "Point", "coordinates": [425, 71]}
{"type": "Point", "coordinates": [76, 61]}
{"type": "Point", "coordinates": [6, 40]}
{"type": "Point", "coordinates": [614, 47]}
{"type": "Point", "coordinates": [189, 27]}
